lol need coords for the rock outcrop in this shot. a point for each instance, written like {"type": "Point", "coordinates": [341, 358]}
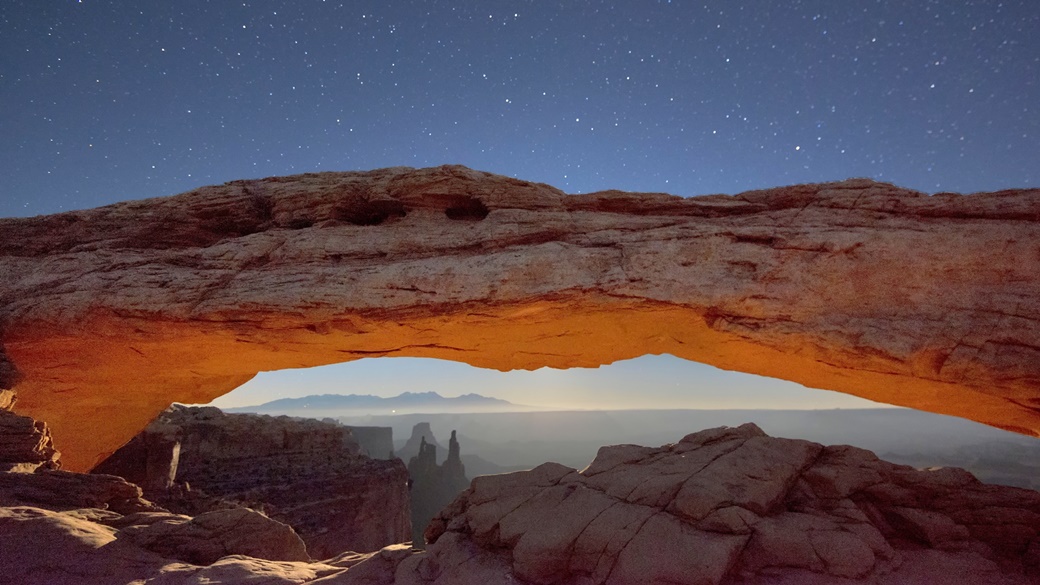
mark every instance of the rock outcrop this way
{"type": "Point", "coordinates": [734, 506]}
{"type": "Point", "coordinates": [93, 546]}
{"type": "Point", "coordinates": [107, 315]}
{"type": "Point", "coordinates": [726, 506]}
{"type": "Point", "coordinates": [25, 444]}
{"type": "Point", "coordinates": [298, 471]}
{"type": "Point", "coordinates": [421, 434]}
{"type": "Point", "coordinates": [61, 527]}
{"type": "Point", "coordinates": [375, 442]}
{"type": "Point", "coordinates": [433, 486]}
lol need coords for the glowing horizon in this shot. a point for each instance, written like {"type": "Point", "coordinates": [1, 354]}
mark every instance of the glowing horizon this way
{"type": "Point", "coordinates": [648, 382]}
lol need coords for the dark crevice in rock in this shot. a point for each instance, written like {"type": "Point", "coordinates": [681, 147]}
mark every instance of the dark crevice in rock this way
{"type": "Point", "coordinates": [370, 213]}
{"type": "Point", "coordinates": [467, 208]}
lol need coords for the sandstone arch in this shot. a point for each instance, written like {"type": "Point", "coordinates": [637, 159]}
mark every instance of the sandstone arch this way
{"type": "Point", "coordinates": [108, 315]}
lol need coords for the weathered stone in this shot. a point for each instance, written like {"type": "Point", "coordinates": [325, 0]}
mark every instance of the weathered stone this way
{"type": "Point", "coordinates": [204, 539]}
{"type": "Point", "coordinates": [7, 399]}
{"type": "Point", "coordinates": [65, 490]}
{"type": "Point", "coordinates": [298, 471]}
{"type": "Point", "coordinates": [43, 547]}
{"type": "Point", "coordinates": [25, 444]}
{"type": "Point", "coordinates": [555, 525]}
{"type": "Point", "coordinates": [736, 506]}
{"type": "Point", "coordinates": [862, 287]}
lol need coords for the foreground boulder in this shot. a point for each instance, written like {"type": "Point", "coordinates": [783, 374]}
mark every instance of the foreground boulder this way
{"type": "Point", "coordinates": [306, 473]}
{"type": "Point", "coordinates": [107, 315]}
{"type": "Point", "coordinates": [25, 444]}
{"type": "Point", "coordinates": [60, 527]}
{"type": "Point", "coordinates": [735, 506]}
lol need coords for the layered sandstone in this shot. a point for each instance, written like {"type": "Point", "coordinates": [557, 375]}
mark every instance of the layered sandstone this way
{"type": "Point", "coordinates": [734, 506]}
{"type": "Point", "coordinates": [107, 315]}
{"type": "Point", "coordinates": [725, 506]}
{"type": "Point", "coordinates": [25, 444]}
{"type": "Point", "coordinates": [303, 472]}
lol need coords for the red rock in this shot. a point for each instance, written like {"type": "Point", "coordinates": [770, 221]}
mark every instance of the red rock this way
{"type": "Point", "coordinates": [107, 315]}
{"type": "Point", "coordinates": [844, 516]}
{"type": "Point", "coordinates": [208, 537]}
{"type": "Point", "coordinates": [303, 472]}
{"type": "Point", "coordinates": [25, 444]}
{"type": "Point", "coordinates": [829, 515]}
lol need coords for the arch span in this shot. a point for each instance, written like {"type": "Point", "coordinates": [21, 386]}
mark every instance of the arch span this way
{"type": "Point", "coordinates": [108, 315]}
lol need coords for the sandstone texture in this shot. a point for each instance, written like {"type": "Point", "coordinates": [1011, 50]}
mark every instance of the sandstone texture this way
{"type": "Point", "coordinates": [732, 505]}
{"type": "Point", "coordinates": [108, 315]}
{"type": "Point", "coordinates": [25, 444]}
{"type": "Point", "coordinates": [728, 506]}
{"type": "Point", "coordinates": [61, 527]}
{"type": "Point", "coordinates": [305, 473]}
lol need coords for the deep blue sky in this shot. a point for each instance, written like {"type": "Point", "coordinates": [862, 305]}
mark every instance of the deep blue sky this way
{"type": "Point", "coordinates": [102, 101]}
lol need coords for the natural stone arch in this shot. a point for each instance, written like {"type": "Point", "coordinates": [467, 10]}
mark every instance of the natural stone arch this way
{"type": "Point", "coordinates": [110, 314]}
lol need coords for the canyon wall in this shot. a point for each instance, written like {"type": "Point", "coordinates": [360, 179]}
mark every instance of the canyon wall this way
{"type": "Point", "coordinates": [757, 510]}
{"type": "Point", "coordinates": [300, 472]}
{"type": "Point", "coordinates": [108, 315]}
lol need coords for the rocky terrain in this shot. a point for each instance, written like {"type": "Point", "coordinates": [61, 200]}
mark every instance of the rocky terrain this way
{"type": "Point", "coordinates": [305, 473]}
{"type": "Point", "coordinates": [433, 486]}
{"type": "Point", "coordinates": [727, 506]}
{"type": "Point", "coordinates": [107, 315]}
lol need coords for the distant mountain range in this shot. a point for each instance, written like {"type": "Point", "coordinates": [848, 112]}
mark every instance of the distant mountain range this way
{"type": "Point", "coordinates": [331, 405]}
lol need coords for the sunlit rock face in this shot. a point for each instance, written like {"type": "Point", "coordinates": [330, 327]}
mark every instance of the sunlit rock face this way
{"type": "Point", "coordinates": [108, 315]}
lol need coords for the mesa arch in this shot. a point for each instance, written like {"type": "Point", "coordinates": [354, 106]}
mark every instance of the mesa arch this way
{"type": "Point", "coordinates": [110, 314]}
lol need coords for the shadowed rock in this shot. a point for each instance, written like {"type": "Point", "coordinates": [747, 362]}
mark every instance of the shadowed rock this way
{"type": "Point", "coordinates": [298, 471]}
{"type": "Point", "coordinates": [726, 506]}
{"type": "Point", "coordinates": [733, 505]}
{"type": "Point", "coordinates": [432, 486]}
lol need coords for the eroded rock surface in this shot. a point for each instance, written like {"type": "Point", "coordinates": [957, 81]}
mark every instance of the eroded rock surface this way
{"type": "Point", "coordinates": [107, 315]}
{"type": "Point", "coordinates": [25, 444]}
{"type": "Point", "coordinates": [306, 473]}
{"type": "Point", "coordinates": [726, 506]}
{"type": "Point", "coordinates": [736, 506]}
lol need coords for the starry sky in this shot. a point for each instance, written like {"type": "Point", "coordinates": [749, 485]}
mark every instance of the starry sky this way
{"type": "Point", "coordinates": [103, 101]}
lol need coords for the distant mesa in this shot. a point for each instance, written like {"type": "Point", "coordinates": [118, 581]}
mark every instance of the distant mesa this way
{"type": "Point", "coordinates": [421, 435]}
{"type": "Point", "coordinates": [108, 315]}
{"type": "Point", "coordinates": [332, 405]}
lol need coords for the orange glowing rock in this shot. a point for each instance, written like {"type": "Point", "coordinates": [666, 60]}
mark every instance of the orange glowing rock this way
{"type": "Point", "coordinates": [109, 315]}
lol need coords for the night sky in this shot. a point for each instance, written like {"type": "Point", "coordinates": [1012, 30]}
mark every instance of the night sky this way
{"type": "Point", "coordinates": [103, 101]}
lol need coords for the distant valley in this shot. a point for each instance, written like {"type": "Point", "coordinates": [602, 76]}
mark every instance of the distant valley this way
{"type": "Point", "coordinates": [498, 436]}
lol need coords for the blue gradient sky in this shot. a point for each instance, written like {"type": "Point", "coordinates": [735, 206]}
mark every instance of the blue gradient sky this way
{"type": "Point", "coordinates": [102, 101]}
{"type": "Point", "coordinates": [651, 382]}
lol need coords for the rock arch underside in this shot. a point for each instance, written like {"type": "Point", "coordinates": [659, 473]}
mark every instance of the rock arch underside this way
{"type": "Point", "coordinates": [108, 315]}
